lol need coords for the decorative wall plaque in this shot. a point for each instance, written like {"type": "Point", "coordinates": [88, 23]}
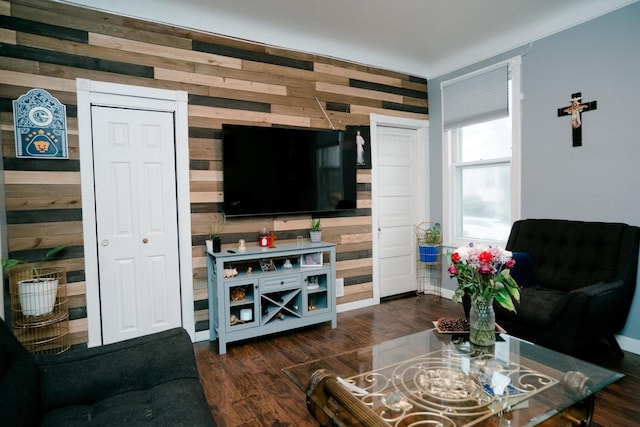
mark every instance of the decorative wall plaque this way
{"type": "Point", "coordinates": [40, 123]}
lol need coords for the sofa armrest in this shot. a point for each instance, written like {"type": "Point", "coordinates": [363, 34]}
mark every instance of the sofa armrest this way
{"type": "Point", "coordinates": [599, 290]}
{"type": "Point", "coordinates": [89, 375]}
{"type": "Point", "coordinates": [593, 308]}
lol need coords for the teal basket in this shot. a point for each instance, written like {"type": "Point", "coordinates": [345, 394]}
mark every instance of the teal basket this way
{"type": "Point", "coordinates": [428, 253]}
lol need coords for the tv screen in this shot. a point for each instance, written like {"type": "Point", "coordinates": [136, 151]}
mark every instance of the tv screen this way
{"type": "Point", "coordinates": [270, 170]}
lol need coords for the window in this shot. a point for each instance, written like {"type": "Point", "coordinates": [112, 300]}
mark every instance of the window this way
{"type": "Point", "coordinates": [481, 130]}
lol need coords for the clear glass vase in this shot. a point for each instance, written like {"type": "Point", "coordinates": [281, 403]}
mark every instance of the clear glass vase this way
{"type": "Point", "coordinates": [482, 322]}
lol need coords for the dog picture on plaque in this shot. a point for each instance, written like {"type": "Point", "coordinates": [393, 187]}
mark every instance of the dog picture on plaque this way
{"type": "Point", "coordinates": [40, 124]}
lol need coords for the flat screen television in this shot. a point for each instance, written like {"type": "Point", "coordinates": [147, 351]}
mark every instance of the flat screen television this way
{"type": "Point", "coordinates": [270, 171]}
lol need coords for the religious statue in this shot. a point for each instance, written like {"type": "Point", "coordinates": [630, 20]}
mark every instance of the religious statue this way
{"type": "Point", "coordinates": [575, 109]}
{"type": "Point", "coordinates": [360, 148]}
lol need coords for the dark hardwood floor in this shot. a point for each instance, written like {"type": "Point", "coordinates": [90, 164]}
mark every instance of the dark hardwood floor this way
{"type": "Point", "coordinates": [246, 386]}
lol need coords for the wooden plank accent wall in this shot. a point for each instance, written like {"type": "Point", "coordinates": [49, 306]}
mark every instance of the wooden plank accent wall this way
{"type": "Point", "coordinates": [48, 45]}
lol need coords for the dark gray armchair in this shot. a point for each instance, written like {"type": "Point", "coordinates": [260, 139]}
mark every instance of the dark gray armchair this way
{"type": "Point", "coordinates": [581, 285]}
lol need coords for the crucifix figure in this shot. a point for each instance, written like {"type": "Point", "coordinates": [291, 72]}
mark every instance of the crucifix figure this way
{"type": "Point", "coordinates": [575, 111]}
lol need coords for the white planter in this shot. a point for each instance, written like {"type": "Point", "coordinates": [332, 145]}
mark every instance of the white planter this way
{"type": "Point", "coordinates": [37, 296]}
{"type": "Point", "coordinates": [209, 244]}
{"type": "Point", "coordinates": [315, 236]}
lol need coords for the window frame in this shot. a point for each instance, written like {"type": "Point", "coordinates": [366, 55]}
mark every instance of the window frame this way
{"type": "Point", "coordinates": [451, 169]}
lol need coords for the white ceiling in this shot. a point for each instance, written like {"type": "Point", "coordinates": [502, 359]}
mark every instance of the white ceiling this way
{"type": "Point", "coordinates": [426, 38]}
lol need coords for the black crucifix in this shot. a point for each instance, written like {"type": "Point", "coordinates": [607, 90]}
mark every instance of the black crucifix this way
{"type": "Point", "coordinates": [575, 111]}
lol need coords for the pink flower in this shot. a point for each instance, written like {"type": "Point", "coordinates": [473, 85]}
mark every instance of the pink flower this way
{"type": "Point", "coordinates": [510, 263]}
{"type": "Point", "coordinates": [485, 269]}
{"type": "Point", "coordinates": [453, 270]}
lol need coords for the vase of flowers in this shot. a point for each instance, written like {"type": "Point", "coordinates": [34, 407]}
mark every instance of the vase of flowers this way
{"type": "Point", "coordinates": [484, 274]}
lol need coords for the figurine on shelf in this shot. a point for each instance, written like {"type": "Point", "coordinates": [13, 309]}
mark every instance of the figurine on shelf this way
{"type": "Point", "coordinates": [249, 271]}
{"type": "Point", "coordinates": [238, 294]}
{"type": "Point", "coordinates": [230, 272]}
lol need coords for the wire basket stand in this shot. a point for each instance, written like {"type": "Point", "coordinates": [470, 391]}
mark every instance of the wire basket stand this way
{"type": "Point", "coordinates": [428, 260]}
{"type": "Point", "coordinates": [39, 309]}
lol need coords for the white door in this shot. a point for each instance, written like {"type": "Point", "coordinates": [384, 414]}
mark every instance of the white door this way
{"type": "Point", "coordinates": [400, 171]}
{"type": "Point", "coordinates": [136, 221]}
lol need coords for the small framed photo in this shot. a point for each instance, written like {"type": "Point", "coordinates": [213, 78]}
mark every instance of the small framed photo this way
{"type": "Point", "coordinates": [267, 265]}
{"type": "Point", "coordinates": [311, 260]}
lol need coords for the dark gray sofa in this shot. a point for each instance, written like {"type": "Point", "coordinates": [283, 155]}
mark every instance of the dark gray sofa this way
{"type": "Point", "coordinates": [581, 286]}
{"type": "Point", "coordinates": [147, 381]}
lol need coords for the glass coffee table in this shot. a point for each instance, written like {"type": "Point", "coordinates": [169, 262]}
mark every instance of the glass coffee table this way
{"type": "Point", "coordinates": [433, 379]}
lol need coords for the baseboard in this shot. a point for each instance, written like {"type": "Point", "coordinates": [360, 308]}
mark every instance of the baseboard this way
{"type": "Point", "coordinates": [631, 345]}
{"type": "Point", "coordinates": [201, 336]}
{"type": "Point", "coordinates": [356, 304]}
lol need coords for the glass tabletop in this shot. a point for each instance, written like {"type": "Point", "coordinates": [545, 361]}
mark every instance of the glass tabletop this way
{"type": "Point", "coordinates": [442, 379]}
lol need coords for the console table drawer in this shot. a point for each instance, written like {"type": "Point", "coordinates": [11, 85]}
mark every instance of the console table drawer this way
{"type": "Point", "coordinates": [279, 282]}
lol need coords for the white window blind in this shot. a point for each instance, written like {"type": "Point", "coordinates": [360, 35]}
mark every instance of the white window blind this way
{"type": "Point", "coordinates": [475, 99]}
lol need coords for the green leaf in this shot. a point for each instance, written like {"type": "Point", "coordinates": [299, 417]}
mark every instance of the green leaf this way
{"type": "Point", "coordinates": [8, 263]}
{"type": "Point", "coordinates": [504, 299]}
{"type": "Point", "coordinates": [55, 250]}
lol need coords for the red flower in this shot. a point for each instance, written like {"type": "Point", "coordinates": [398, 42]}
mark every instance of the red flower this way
{"type": "Point", "coordinates": [455, 257]}
{"type": "Point", "coordinates": [510, 263]}
{"type": "Point", "coordinates": [485, 257]}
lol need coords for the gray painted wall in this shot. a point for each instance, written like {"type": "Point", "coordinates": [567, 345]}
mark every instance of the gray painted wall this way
{"type": "Point", "coordinates": [599, 181]}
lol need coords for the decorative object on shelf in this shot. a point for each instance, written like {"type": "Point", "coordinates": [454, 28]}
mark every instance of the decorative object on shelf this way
{"type": "Point", "coordinates": [238, 294]}
{"type": "Point", "coordinates": [315, 235]}
{"type": "Point", "coordinates": [287, 264]}
{"type": "Point", "coordinates": [264, 238]}
{"type": "Point", "coordinates": [311, 260]}
{"type": "Point", "coordinates": [214, 243]}
{"type": "Point", "coordinates": [272, 240]}
{"type": "Point", "coordinates": [40, 123]}
{"type": "Point", "coordinates": [246, 315]}
{"type": "Point", "coordinates": [249, 271]}
{"type": "Point", "coordinates": [483, 272]}
{"type": "Point", "coordinates": [230, 272]}
{"type": "Point", "coordinates": [241, 245]}
{"type": "Point", "coordinates": [429, 237]}
{"type": "Point", "coordinates": [37, 293]}
{"type": "Point", "coordinates": [267, 265]}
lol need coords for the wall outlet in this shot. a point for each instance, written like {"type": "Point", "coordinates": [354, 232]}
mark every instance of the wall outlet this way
{"type": "Point", "coordinates": [339, 287]}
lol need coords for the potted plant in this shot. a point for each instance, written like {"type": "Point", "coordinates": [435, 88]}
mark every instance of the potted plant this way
{"type": "Point", "coordinates": [37, 294]}
{"type": "Point", "coordinates": [429, 239]}
{"type": "Point", "coordinates": [315, 235]}
{"type": "Point", "coordinates": [214, 243]}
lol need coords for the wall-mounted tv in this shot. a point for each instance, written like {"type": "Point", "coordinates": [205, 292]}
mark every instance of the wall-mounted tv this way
{"type": "Point", "coordinates": [270, 171]}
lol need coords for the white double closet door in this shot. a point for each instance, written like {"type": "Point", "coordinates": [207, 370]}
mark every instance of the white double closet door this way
{"type": "Point", "coordinates": [136, 221]}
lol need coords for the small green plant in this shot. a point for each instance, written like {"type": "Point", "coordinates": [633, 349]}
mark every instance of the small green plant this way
{"type": "Point", "coordinates": [11, 262]}
{"type": "Point", "coordinates": [315, 224]}
{"type": "Point", "coordinates": [432, 235]}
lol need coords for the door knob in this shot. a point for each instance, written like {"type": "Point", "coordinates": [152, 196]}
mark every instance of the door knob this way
{"type": "Point", "coordinates": [105, 242]}
{"type": "Point", "coordinates": [145, 240]}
